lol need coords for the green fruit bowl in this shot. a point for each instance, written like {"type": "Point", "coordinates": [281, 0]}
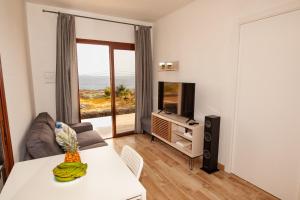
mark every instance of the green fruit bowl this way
{"type": "Point", "coordinates": [69, 171]}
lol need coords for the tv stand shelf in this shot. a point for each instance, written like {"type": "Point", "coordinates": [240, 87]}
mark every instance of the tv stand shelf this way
{"type": "Point", "coordinates": [174, 131]}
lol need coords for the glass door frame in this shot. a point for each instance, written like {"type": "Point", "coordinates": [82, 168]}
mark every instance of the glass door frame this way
{"type": "Point", "coordinates": [112, 46]}
{"type": "Point", "coordinates": [5, 132]}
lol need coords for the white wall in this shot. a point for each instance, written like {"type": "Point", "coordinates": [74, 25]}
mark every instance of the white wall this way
{"type": "Point", "coordinates": [42, 40]}
{"type": "Point", "coordinates": [204, 38]}
{"type": "Point", "coordinates": [16, 72]}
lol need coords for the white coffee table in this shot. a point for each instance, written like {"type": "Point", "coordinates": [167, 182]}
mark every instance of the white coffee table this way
{"type": "Point", "coordinates": [108, 178]}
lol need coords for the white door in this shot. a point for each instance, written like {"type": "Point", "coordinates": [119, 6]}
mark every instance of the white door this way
{"type": "Point", "coordinates": [267, 138]}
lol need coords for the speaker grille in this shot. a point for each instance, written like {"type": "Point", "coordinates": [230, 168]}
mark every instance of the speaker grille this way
{"type": "Point", "coordinates": [206, 154]}
{"type": "Point", "coordinates": [207, 123]}
{"type": "Point", "coordinates": [207, 137]}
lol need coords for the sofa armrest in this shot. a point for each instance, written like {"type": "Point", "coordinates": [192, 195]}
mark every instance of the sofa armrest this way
{"type": "Point", "coordinates": [82, 127]}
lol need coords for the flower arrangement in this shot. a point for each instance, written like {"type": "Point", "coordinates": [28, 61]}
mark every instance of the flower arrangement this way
{"type": "Point", "coordinates": [72, 167]}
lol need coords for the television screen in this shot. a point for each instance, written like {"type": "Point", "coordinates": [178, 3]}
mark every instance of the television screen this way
{"type": "Point", "coordinates": [172, 97]}
{"type": "Point", "coordinates": [177, 98]}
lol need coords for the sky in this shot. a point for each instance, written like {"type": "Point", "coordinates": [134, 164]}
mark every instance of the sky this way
{"type": "Point", "coordinates": [93, 60]}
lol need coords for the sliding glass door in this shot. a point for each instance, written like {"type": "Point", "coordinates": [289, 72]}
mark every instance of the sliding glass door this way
{"type": "Point", "coordinates": [94, 87]}
{"type": "Point", "coordinates": [124, 67]}
{"type": "Point", "coordinates": [106, 73]}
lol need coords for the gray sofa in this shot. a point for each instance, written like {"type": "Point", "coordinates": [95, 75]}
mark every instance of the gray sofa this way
{"type": "Point", "coordinates": [41, 142]}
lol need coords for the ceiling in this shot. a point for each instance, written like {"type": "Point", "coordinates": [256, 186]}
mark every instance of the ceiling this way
{"type": "Point", "coordinates": [145, 10]}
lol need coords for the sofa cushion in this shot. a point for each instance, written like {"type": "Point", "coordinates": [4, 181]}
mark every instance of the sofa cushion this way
{"type": "Point", "coordinates": [45, 118]}
{"type": "Point", "coordinates": [101, 144]}
{"type": "Point", "coordinates": [88, 138]}
{"type": "Point", "coordinates": [41, 141]}
{"type": "Point", "coordinates": [64, 135]}
{"type": "Point", "coordinates": [82, 127]}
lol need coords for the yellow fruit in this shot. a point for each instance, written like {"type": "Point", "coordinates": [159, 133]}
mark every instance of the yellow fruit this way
{"type": "Point", "coordinates": [69, 164]}
{"type": "Point", "coordinates": [68, 171]}
{"type": "Point", "coordinates": [60, 179]}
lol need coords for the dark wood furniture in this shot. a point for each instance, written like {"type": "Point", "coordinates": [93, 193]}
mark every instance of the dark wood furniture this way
{"type": "Point", "coordinates": [5, 145]}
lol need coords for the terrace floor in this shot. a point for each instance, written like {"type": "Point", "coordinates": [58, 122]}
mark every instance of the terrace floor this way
{"type": "Point", "coordinates": [103, 125]}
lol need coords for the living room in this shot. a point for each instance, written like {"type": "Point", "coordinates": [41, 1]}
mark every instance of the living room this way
{"type": "Point", "coordinates": [232, 64]}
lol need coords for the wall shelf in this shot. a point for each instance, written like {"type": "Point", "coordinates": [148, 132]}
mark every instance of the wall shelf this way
{"type": "Point", "coordinates": [168, 66]}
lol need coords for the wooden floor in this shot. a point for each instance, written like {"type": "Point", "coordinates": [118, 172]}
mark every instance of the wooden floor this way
{"type": "Point", "coordinates": [166, 175]}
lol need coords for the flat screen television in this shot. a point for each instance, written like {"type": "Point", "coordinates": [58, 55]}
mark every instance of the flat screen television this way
{"type": "Point", "coordinates": [177, 98]}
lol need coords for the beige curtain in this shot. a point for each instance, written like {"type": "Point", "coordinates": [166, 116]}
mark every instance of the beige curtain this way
{"type": "Point", "coordinates": [143, 86]}
{"type": "Point", "coordinates": [67, 105]}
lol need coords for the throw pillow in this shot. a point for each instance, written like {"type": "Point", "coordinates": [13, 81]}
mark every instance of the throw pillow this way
{"type": "Point", "coordinates": [66, 137]}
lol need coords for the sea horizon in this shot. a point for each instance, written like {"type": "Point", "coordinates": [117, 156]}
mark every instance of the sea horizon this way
{"type": "Point", "coordinates": [96, 82]}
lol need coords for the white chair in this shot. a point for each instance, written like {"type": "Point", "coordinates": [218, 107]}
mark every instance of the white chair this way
{"type": "Point", "coordinates": [133, 160]}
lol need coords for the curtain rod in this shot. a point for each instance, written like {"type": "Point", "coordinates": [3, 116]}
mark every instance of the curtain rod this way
{"type": "Point", "coordinates": [99, 19]}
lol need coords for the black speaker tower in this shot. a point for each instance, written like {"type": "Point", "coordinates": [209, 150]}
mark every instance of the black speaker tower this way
{"type": "Point", "coordinates": [211, 144]}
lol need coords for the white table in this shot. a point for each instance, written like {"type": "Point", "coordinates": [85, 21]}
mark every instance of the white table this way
{"type": "Point", "coordinates": [108, 178]}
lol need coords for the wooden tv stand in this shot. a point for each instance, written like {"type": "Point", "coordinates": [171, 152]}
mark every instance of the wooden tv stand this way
{"type": "Point", "coordinates": [170, 129]}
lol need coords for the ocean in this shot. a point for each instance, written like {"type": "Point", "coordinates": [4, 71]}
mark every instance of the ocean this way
{"type": "Point", "coordinates": [101, 82]}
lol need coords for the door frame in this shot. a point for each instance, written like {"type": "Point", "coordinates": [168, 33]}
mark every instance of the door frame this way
{"type": "Point", "coordinates": [112, 46]}
{"type": "Point", "coordinates": [5, 136]}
